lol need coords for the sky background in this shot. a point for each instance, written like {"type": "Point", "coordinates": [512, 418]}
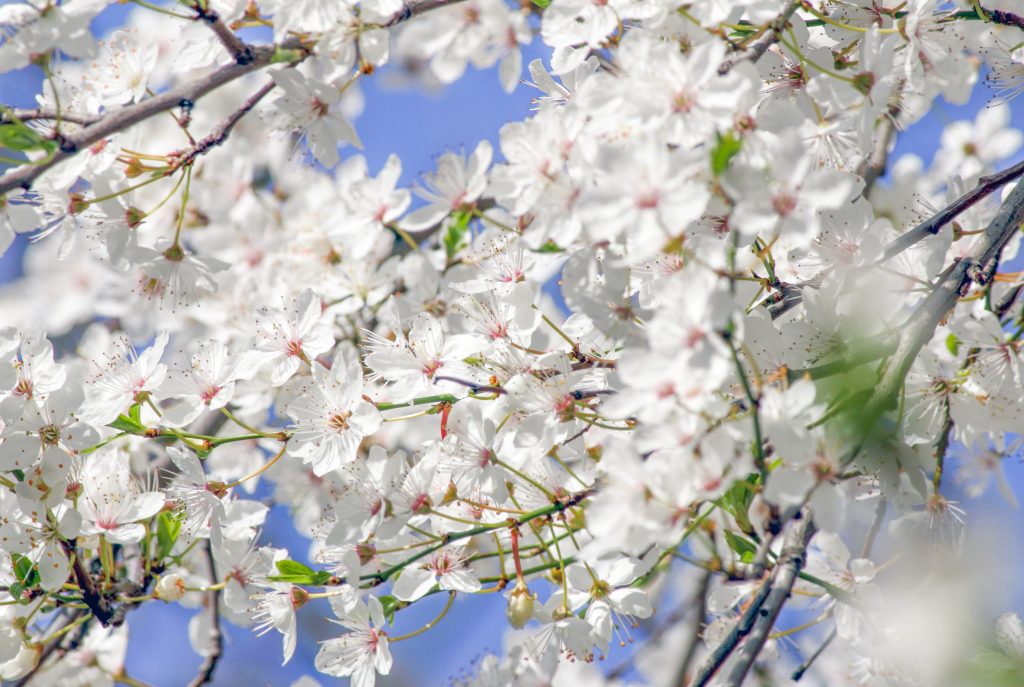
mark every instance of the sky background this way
{"type": "Point", "coordinates": [418, 126]}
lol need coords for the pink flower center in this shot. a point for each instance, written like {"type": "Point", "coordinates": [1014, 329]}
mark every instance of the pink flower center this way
{"type": "Point", "coordinates": [784, 204]}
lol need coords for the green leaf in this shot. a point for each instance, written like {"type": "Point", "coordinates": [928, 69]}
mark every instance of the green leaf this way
{"type": "Point", "coordinates": [286, 55]}
{"type": "Point", "coordinates": [456, 233]}
{"type": "Point", "coordinates": [736, 501]}
{"type": "Point", "coordinates": [543, 4]}
{"type": "Point", "coordinates": [726, 148]}
{"type": "Point", "coordinates": [390, 604]}
{"type": "Point", "coordinates": [294, 572]}
{"type": "Point", "coordinates": [953, 344]}
{"type": "Point", "coordinates": [168, 527]}
{"type": "Point", "coordinates": [550, 247]}
{"type": "Point", "coordinates": [25, 570]}
{"type": "Point", "coordinates": [17, 136]}
{"type": "Point", "coordinates": [26, 575]}
{"type": "Point", "coordinates": [742, 546]}
{"type": "Point", "coordinates": [125, 423]}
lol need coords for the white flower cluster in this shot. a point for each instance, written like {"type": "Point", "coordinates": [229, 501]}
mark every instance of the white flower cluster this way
{"type": "Point", "coordinates": [764, 351]}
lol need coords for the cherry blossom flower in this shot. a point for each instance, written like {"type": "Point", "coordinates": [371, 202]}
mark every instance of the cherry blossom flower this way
{"type": "Point", "coordinates": [447, 568]}
{"type": "Point", "coordinates": [362, 652]}
{"type": "Point", "coordinates": [293, 336]}
{"type": "Point", "coordinates": [123, 378]}
{"type": "Point", "coordinates": [112, 504]}
{"type": "Point", "coordinates": [331, 418]}
{"type": "Point", "coordinates": [457, 183]}
{"type": "Point", "coordinates": [120, 73]}
{"type": "Point", "coordinates": [306, 105]}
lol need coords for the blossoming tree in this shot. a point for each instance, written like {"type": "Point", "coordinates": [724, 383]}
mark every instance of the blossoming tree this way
{"type": "Point", "coordinates": [765, 358]}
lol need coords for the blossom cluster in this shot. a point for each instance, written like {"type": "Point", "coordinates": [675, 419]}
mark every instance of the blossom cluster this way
{"type": "Point", "coordinates": [761, 353]}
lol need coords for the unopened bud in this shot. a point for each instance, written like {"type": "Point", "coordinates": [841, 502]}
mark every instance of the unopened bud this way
{"type": "Point", "coordinates": [300, 597]}
{"type": "Point", "coordinates": [171, 587]}
{"type": "Point", "coordinates": [134, 216]}
{"type": "Point", "coordinates": [74, 490]}
{"type": "Point", "coordinates": [133, 169]}
{"type": "Point", "coordinates": [77, 203]}
{"type": "Point", "coordinates": [520, 605]}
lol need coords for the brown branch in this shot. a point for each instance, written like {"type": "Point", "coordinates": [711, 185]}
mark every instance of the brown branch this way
{"type": "Point", "coordinates": [955, 283]}
{"type": "Point", "coordinates": [122, 118]}
{"type": "Point", "coordinates": [790, 562]}
{"type": "Point", "coordinates": [216, 636]}
{"type": "Point", "coordinates": [241, 52]}
{"type": "Point", "coordinates": [758, 48]}
{"type": "Point", "coordinates": [787, 568]}
{"type": "Point", "coordinates": [93, 598]}
{"type": "Point", "coordinates": [932, 226]}
{"type": "Point", "coordinates": [791, 295]}
{"type": "Point", "coordinates": [40, 113]}
{"type": "Point", "coordinates": [416, 8]}
{"type": "Point", "coordinates": [223, 130]}
{"type": "Point", "coordinates": [700, 599]}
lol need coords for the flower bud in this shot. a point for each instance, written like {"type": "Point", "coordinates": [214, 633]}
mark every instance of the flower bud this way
{"type": "Point", "coordinates": [171, 587]}
{"type": "Point", "coordinates": [520, 605]}
{"type": "Point", "coordinates": [299, 596]}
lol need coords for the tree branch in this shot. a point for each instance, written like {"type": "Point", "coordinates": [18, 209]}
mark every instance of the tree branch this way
{"type": "Point", "coordinates": [791, 560]}
{"type": "Point", "coordinates": [932, 225]}
{"type": "Point", "coordinates": [416, 8]}
{"type": "Point", "coordinates": [236, 47]}
{"type": "Point", "coordinates": [921, 327]}
{"type": "Point", "coordinates": [223, 130]}
{"type": "Point", "coordinates": [758, 48]}
{"type": "Point", "coordinates": [216, 636]}
{"type": "Point", "coordinates": [122, 118]}
{"type": "Point", "coordinates": [44, 113]}
{"type": "Point", "coordinates": [767, 601]}
{"type": "Point", "coordinates": [700, 600]}
{"type": "Point", "coordinates": [872, 168]}
{"type": "Point", "coordinates": [125, 117]}
{"type": "Point", "coordinates": [97, 603]}
{"type": "Point", "coordinates": [791, 295]}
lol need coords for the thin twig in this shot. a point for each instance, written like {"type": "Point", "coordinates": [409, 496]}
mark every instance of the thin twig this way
{"type": "Point", "coordinates": [236, 47]}
{"type": "Point", "coordinates": [874, 166]}
{"type": "Point", "coordinates": [700, 600]}
{"type": "Point", "coordinates": [41, 113]}
{"type": "Point", "coordinates": [216, 636]}
{"type": "Point", "coordinates": [414, 9]}
{"type": "Point", "coordinates": [803, 667]}
{"type": "Point", "coordinates": [758, 48]}
{"type": "Point", "coordinates": [955, 283]}
{"type": "Point", "coordinates": [876, 526]}
{"type": "Point", "coordinates": [122, 118]}
{"type": "Point", "coordinates": [932, 225]}
{"type": "Point", "coordinates": [97, 603]}
{"type": "Point", "coordinates": [223, 130]}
